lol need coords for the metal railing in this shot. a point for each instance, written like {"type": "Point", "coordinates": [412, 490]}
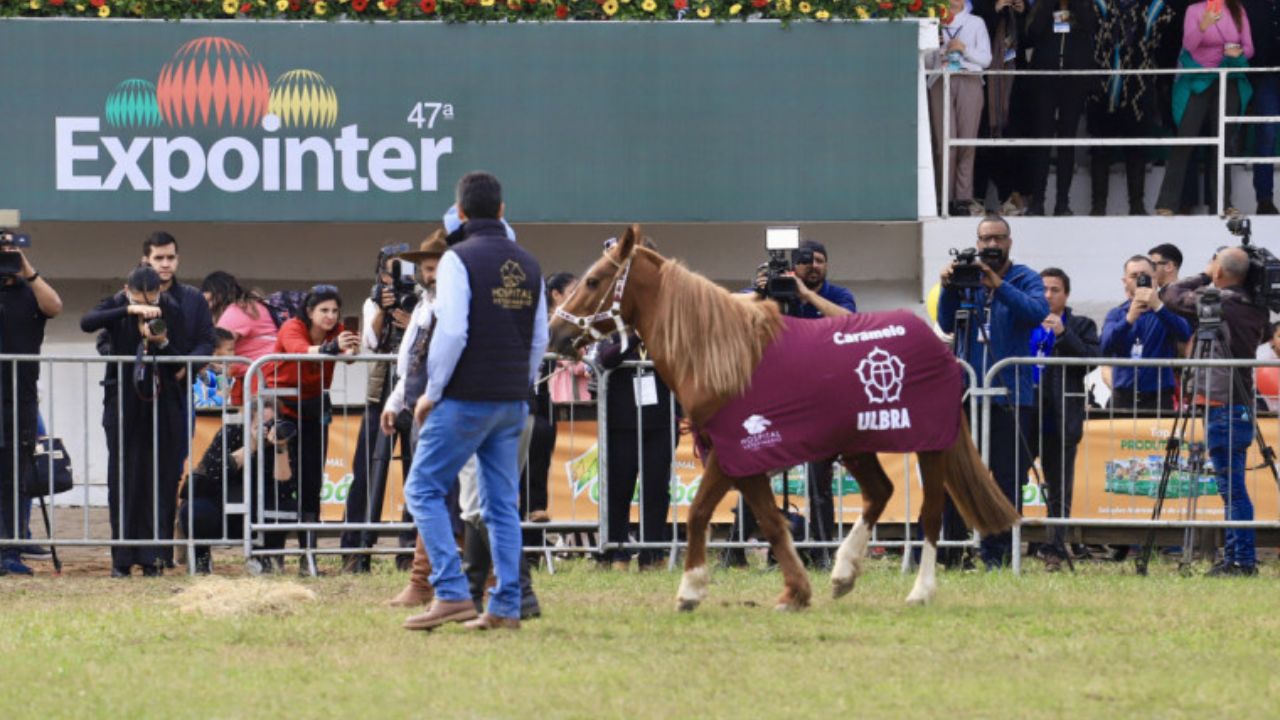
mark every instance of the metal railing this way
{"type": "Point", "coordinates": [1218, 141]}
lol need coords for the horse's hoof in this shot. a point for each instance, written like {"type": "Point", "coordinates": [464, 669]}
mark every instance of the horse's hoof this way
{"type": "Point", "coordinates": [791, 606]}
{"type": "Point", "coordinates": [686, 605]}
{"type": "Point", "coordinates": [841, 587]}
{"type": "Point", "coordinates": [913, 601]}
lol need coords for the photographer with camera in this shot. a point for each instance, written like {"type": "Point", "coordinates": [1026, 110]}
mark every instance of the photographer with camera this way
{"type": "Point", "coordinates": [1142, 327]}
{"type": "Point", "coordinates": [1229, 302]}
{"type": "Point", "coordinates": [992, 305]}
{"type": "Point", "coordinates": [27, 302]}
{"type": "Point", "coordinates": [385, 316]}
{"type": "Point", "coordinates": [144, 417]}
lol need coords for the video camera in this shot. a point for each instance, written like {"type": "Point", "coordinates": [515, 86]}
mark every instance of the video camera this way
{"type": "Point", "coordinates": [966, 273]}
{"type": "Point", "coordinates": [11, 262]}
{"type": "Point", "coordinates": [403, 286]}
{"type": "Point", "coordinates": [785, 253]}
{"type": "Point", "coordinates": [1263, 280]}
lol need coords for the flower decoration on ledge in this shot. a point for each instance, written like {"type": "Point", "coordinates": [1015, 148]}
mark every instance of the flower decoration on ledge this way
{"type": "Point", "coordinates": [785, 11]}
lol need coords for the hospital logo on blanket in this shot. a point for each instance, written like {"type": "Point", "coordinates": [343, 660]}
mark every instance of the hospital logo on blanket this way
{"type": "Point", "coordinates": [759, 436]}
{"type": "Point", "coordinates": [881, 376]}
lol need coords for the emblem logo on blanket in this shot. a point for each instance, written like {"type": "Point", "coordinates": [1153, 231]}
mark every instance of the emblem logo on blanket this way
{"type": "Point", "coordinates": [884, 374]}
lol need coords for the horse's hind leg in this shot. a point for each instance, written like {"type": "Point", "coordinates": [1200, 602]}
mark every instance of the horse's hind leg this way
{"type": "Point", "coordinates": [932, 467]}
{"type": "Point", "coordinates": [757, 493]}
{"type": "Point", "coordinates": [693, 585]}
{"type": "Point", "coordinates": [876, 491]}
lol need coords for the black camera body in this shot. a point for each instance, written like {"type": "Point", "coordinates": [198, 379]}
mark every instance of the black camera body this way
{"type": "Point", "coordinates": [1263, 279]}
{"type": "Point", "coordinates": [780, 282]}
{"type": "Point", "coordinates": [11, 262]}
{"type": "Point", "coordinates": [966, 273]}
{"type": "Point", "coordinates": [403, 286]}
{"type": "Point", "coordinates": [1144, 280]}
{"type": "Point", "coordinates": [157, 326]}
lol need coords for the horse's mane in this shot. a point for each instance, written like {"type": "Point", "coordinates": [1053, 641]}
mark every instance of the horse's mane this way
{"type": "Point", "coordinates": [711, 338]}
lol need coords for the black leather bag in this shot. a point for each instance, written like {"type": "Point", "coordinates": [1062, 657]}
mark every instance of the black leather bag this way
{"type": "Point", "coordinates": [36, 482]}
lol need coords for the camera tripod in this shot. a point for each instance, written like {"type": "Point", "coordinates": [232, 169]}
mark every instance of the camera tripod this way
{"type": "Point", "coordinates": [1208, 333]}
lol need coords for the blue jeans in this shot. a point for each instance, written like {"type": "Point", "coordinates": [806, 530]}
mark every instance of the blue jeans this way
{"type": "Point", "coordinates": [454, 431]}
{"type": "Point", "coordinates": [1230, 430]}
{"type": "Point", "coordinates": [1266, 101]}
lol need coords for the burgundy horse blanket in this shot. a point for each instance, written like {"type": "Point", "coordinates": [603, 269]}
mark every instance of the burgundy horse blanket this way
{"type": "Point", "coordinates": [869, 382]}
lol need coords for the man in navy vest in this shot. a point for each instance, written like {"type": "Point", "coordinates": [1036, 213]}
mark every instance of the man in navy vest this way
{"type": "Point", "coordinates": [476, 403]}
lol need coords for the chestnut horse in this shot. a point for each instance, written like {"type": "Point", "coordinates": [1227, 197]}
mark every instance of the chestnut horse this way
{"type": "Point", "coordinates": [705, 344]}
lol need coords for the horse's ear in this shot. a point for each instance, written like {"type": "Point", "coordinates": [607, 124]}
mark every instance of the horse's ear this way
{"type": "Point", "coordinates": [627, 245]}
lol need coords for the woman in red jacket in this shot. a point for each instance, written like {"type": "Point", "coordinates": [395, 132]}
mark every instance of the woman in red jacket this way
{"type": "Point", "coordinates": [317, 331]}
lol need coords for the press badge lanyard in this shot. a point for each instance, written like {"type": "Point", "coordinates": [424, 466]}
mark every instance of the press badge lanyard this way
{"type": "Point", "coordinates": [644, 384]}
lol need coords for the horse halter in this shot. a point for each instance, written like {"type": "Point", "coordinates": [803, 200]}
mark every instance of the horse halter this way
{"type": "Point", "coordinates": [587, 324]}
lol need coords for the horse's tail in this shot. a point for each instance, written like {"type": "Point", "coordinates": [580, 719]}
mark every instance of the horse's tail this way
{"type": "Point", "coordinates": [971, 487]}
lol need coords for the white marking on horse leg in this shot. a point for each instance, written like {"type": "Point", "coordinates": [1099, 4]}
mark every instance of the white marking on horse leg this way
{"type": "Point", "coordinates": [693, 588]}
{"type": "Point", "coordinates": [926, 582]}
{"type": "Point", "coordinates": [848, 565]}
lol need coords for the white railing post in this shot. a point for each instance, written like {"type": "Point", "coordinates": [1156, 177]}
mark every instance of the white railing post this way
{"type": "Point", "coordinates": [1222, 168]}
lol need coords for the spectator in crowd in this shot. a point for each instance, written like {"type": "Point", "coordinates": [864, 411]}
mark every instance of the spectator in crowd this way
{"type": "Point", "coordinates": [641, 444]}
{"type": "Point", "coordinates": [1141, 327]}
{"type": "Point", "coordinates": [1062, 403]}
{"type": "Point", "coordinates": [1009, 306]}
{"type": "Point", "coordinates": [1129, 36]}
{"type": "Point", "coordinates": [1210, 38]}
{"type": "Point", "coordinates": [1269, 349]}
{"type": "Point", "coordinates": [144, 417]}
{"type": "Point", "coordinates": [820, 298]}
{"type": "Point", "coordinates": [560, 381]}
{"type": "Point", "coordinates": [1167, 259]}
{"type": "Point", "coordinates": [27, 302]}
{"type": "Point", "coordinates": [410, 384]}
{"type": "Point", "coordinates": [476, 403]}
{"type": "Point", "coordinates": [1002, 166]}
{"type": "Point", "coordinates": [317, 331]}
{"type": "Point", "coordinates": [243, 314]}
{"type": "Point", "coordinates": [1227, 394]}
{"type": "Point", "coordinates": [1060, 35]}
{"type": "Point", "coordinates": [385, 315]}
{"type": "Point", "coordinates": [217, 479]}
{"type": "Point", "coordinates": [963, 46]}
{"type": "Point", "coordinates": [1264, 16]}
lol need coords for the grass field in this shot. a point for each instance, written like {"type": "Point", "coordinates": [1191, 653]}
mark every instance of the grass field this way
{"type": "Point", "coordinates": [1101, 643]}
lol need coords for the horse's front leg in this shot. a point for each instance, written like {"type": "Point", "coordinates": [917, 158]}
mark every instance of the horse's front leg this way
{"type": "Point", "coordinates": [876, 491]}
{"type": "Point", "coordinates": [696, 578]}
{"type": "Point", "coordinates": [757, 493]}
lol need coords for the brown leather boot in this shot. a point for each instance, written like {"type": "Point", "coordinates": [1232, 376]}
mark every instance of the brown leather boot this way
{"type": "Point", "coordinates": [419, 590]}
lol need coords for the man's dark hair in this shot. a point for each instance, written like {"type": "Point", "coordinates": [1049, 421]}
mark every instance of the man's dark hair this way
{"type": "Point", "coordinates": [996, 218]}
{"type": "Point", "coordinates": [1141, 259]}
{"type": "Point", "coordinates": [1054, 272]}
{"type": "Point", "coordinates": [157, 239]}
{"type": "Point", "coordinates": [815, 246]}
{"type": "Point", "coordinates": [144, 278]}
{"type": "Point", "coordinates": [480, 196]}
{"type": "Point", "coordinates": [1168, 251]}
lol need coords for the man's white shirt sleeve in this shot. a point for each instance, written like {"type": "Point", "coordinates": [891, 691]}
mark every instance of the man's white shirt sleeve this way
{"type": "Point", "coordinates": [452, 308]}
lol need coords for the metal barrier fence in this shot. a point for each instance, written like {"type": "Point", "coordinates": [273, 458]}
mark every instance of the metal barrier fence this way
{"type": "Point", "coordinates": [1218, 141]}
{"type": "Point", "coordinates": [1112, 484]}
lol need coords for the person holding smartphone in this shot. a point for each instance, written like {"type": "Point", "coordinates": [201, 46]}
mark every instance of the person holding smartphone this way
{"type": "Point", "coordinates": [1215, 33]}
{"type": "Point", "coordinates": [316, 331]}
{"type": "Point", "coordinates": [1142, 328]}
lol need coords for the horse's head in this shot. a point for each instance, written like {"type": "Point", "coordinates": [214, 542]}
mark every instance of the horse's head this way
{"type": "Point", "coordinates": [600, 304]}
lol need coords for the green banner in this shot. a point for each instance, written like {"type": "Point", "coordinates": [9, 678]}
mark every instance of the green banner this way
{"type": "Point", "coordinates": [583, 122]}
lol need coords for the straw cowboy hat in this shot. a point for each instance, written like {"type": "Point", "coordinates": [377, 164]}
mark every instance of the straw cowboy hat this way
{"type": "Point", "coordinates": [433, 247]}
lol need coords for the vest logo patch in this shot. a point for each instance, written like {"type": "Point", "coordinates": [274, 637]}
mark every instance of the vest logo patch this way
{"type": "Point", "coordinates": [512, 295]}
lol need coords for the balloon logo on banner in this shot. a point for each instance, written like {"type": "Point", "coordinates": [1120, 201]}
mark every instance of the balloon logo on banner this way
{"type": "Point", "coordinates": [212, 81]}
{"type": "Point", "coordinates": [133, 105]}
{"type": "Point", "coordinates": [303, 98]}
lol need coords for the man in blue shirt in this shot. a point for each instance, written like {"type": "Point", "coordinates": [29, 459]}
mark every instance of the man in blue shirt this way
{"type": "Point", "coordinates": [1005, 310]}
{"type": "Point", "coordinates": [818, 297]}
{"type": "Point", "coordinates": [1142, 327]}
{"type": "Point", "coordinates": [476, 403]}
